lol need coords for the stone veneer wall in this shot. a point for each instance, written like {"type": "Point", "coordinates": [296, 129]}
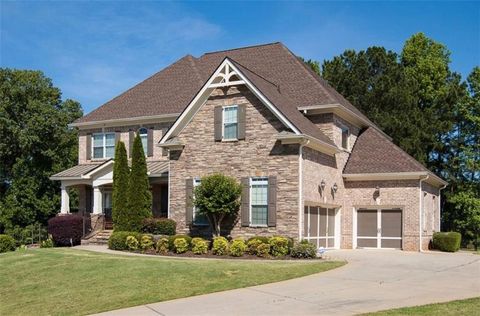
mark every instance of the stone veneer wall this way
{"type": "Point", "coordinates": [258, 155]}
{"type": "Point", "coordinates": [159, 130]}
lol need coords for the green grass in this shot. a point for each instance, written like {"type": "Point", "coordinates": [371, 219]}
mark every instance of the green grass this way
{"type": "Point", "coordinates": [462, 307]}
{"type": "Point", "coordinates": [66, 281]}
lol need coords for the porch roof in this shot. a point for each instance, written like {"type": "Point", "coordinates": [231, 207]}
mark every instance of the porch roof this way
{"type": "Point", "coordinates": [83, 171]}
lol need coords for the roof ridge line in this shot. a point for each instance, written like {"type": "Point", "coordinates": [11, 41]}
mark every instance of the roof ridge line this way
{"type": "Point", "coordinates": [238, 48]}
{"type": "Point", "coordinates": [195, 69]}
{"type": "Point", "coordinates": [270, 82]}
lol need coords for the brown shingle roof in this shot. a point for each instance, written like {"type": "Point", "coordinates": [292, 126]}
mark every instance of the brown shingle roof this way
{"type": "Point", "coordinates": [170, 90]}
{"type": "Point", "coordinates": [374, 153]}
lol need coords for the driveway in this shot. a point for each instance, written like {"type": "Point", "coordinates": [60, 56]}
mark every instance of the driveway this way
{"type": "Point", "coordinates": [372, 280]}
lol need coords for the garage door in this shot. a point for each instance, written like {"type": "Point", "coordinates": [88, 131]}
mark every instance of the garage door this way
{"type": "Point", "coordinates": [378, 228]}
{"type": "Point", "coordinates": [319, 226]}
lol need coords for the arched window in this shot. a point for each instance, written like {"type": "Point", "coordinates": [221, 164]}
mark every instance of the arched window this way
{"type": "Point", "coordinates": [143, 132]}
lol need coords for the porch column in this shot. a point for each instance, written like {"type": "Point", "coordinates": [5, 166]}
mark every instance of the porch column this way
{"type": "Point", "coordinates": [97, 200]}
{"type": "Point", "coordinates": [65, 206]}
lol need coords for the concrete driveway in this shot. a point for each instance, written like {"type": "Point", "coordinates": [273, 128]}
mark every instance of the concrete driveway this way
{"type": "Point", "coordinates": [372, 280]}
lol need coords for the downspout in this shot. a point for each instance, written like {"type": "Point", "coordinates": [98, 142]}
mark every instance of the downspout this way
{"type": "Point", "coordinates": [300, 191]}
{"type": "Point", "coordinates": [439, 207]}
{"type": "Point", "coordinates": [421, 212]}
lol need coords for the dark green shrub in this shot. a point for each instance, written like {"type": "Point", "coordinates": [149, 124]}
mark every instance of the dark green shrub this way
{"type": "Point", "coordinates": [237, 248]}
{"type": "Point", "coordinates": [171, 240]}
{"type": "Point", "coordinates": [146, 242]}
{"type": "Point", "coordinates": [66, 230]}
{"type": "Point", "coordinates": [162, 246]}
{"type": "Point", "coordinates": [121, 174]}
{"type": "Point", "coordinates": [199, 246]}
{"type": "Point", "coordinates": [159, 226]}
{"type": "Point", "coordinates": [304, 249]}
{"type": "Point", "coordinates": [447, 241]}
{"type": "Point", "coordinates": [220, 246]}
{"type": "Point", "coordinates": [263, 250]}
{"type": "Point", "coordinates": [252, 246]}
{"type": "Point", "coordinates": [118, 239]}
{"type": "Point", "coordinates": [7, 243]}
{"type": "Point", "coordinates": [278, 246]}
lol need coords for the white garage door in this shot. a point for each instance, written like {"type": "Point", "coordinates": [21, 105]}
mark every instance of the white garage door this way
{"type": "Point", "coordinates": [379, 228]}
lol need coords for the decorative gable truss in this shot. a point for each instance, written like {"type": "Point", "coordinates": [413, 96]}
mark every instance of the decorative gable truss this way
{"type": "Point", "coordinates": [228, 74]}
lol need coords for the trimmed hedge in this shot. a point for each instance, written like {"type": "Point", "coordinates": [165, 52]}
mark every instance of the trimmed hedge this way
{"type": "Point", "coordinates": [304, 250]}
{"type": "Point", "coordinates": [199, 246]}
{"type": "Point", "coordinates": [7, 243]}
{"type": "Point", "coordinates": [278, 246]}
{"type": "Point", "coordinates": [220, 246]}
{"type": "Point", "coordinates": [447, 241]}
{"type": "Point", "coordinates": [171, 241]}
{"type": "Point", "coordinates": [261, 238]}
{"type": "Point", "coordinates": [237, 248]}
{"type": "Point", "coordinates": [118, 240]}
{"type": "Point", "coordinates": [160, 226]}
{"type": "Point", "coordinates": [66, 230]}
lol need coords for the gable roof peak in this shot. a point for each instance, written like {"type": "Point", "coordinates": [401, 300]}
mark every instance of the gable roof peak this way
{"type": "Point", "coordinates": [241, 48]}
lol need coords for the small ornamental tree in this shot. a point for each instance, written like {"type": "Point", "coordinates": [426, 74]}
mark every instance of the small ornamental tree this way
{"type": "Point", "coordinates": [121, 173]}
{"type": "Point", "coordinates": [139, 197]}
{"type": "Point", "coordinates": [217, 197]}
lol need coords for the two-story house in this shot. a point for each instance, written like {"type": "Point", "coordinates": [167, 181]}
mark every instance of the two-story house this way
{"type": "Point", "coordinates": [311, 165]}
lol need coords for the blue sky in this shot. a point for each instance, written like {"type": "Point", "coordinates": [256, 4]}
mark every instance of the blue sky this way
{"type": "Point", "coordinates": [94, 51]}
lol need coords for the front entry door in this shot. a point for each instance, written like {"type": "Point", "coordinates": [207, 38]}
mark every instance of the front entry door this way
{"type": "Point", "coordinates": [379, 228]}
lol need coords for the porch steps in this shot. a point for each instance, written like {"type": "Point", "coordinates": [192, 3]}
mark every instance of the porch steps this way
{"type": "Point", "coordinates": [100, 238]}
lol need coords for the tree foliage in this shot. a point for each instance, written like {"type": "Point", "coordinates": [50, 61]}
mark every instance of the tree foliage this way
{"type": "Point", "coordinates": [427, 110]}
{"type": "Point", "coordinates": [217, 197]}
{"type": "Point", "coordinates": [35, 143]}
{"type": "Point", "coordinates": [139, 199]}
{"type": "Point", "coordinates": [121, 173]}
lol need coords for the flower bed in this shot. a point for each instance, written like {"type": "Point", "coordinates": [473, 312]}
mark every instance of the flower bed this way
{"type": "Point", "coordinates": [275, 247]}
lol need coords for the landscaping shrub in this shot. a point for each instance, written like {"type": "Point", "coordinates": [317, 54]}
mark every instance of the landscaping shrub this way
{"type": "Point", "coordinates": [146, 242]}
{"type": "Point", "coordinates": [447, 241]}
{"type": "Point", "coordinates": [118, 240]}
{"type": "Point", "coordinates": [263, 250]}
{"type": "Point", "coordinates": [132, 243]}
{"type": "Point", "coordinates": [180, 245]}
{"type": "Point", "coordinates": [47, 243]}
{"type": "Point", "coordinates": [261, 238]}
{"type": "Point", "coordinates": [237, 248]}
{"type": "Point", "coordinates": [220, 246]}
{"type": "Point", "coordinates": [159, 226]}
{"type": "Point", "coordinates": [172, 239]}
{"type": "Point", "coordinates": [30, 234]}
{"type": "Point", "coordinates": [66, 230]}
{"type": "Point", "coordinates": [278, 246]}
{"type": "Point", "coordinates": [199, 246]}
{"type": "Point", "coordinates": [162, 246]}
{"type": "Point", "coordinates": [7, 243]}
{"type": "Point", "coordinates": [304, 249]}
{"type": "Point", "coordinates": [252, 246]}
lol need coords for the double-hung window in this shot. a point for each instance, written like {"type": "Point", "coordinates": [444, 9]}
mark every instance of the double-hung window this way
{"type": "Point", "coordinates": [259, 201]}
{"type": "Point", "coordinates": [103, 145]}
{"type": "Point", "coordinates": [230, 122]}
{"type": "Point", "coordinates": [198, 219]}
{"type": "Point", "coordinates": [143, 132]}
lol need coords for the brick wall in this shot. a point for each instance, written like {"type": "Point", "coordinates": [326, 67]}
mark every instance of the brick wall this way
{"type": "Point", "coordinates": [258, 155]}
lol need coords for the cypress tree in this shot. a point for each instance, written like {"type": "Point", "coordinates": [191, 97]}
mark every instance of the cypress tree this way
{"type": "Point", "coordinates": [139, 195]}
{"type": "Point", "coordinates": [121, 174]}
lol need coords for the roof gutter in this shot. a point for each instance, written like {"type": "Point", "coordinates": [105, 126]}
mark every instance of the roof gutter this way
{"type": "Point", "coordinates": [307, 141]}
{"type": "Point", "coordinates": [432, 178]}
{"type": "Point", "coordinates": [128, 120]}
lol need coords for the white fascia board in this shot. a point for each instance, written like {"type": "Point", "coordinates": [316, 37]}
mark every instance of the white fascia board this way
{"type": "Point", "coordinates": [127, 121]}
{"type": "Point", "coordinates": [433, 179]}
{"type": "Point", "coordinates": [308, 141]}
{"type": "Point", "coordinates": [201, 97]}
{"type": "Point", "coordinates": [89, 174]}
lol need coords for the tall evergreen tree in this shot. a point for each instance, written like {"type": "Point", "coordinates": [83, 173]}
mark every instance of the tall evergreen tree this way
{"type": "Point", "coordinates": [121, 174]}
{"type": "Point", "coordinates": [139, 195]}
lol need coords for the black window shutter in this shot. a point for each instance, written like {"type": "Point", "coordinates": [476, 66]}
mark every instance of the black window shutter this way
{"type": "Point", "coordinates": [272, 201]}
{"type": "Point", "coordinates": [150, 142]}
{"type": "Point", "coordinates": [241, 119]}
{"type": "Point", "coordinates": [131, 137]}
{"type": "Point", "coordinates": [245, 206]}
{"type": "Point", "coordinates": [217, 118]}
{"type": "Point", "coordinates": [189, 201]}
{"type": "Point", "coordinates": [89, 146]}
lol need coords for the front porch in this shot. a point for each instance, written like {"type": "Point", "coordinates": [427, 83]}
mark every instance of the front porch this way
{"type": "Point", "coordinates": [93, 184]}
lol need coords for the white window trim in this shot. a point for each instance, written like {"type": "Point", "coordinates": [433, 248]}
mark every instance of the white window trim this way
{"type": "Point", "coordinates": [264, 182]}
{"type": "Point", "coordinates": [223, 123]}
{"type": "Point", "coordinates": [196, 182]}
{"type": "Point", "coordinates": [104, 147]}
{"type": "Point", "coordinates": [145, 148]}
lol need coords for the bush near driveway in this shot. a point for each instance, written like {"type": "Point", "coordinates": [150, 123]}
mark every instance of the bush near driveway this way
{"type": "Point", "coordinates": [7, 243]}
{"type": "Point", "coordinates": [66, 230]}
{"type": "Point", "coordinates": [159, 226]}
{"type": "Point", "coordinates": [447, 241]}
{"type": "Point", "coordinates": [304, 250]}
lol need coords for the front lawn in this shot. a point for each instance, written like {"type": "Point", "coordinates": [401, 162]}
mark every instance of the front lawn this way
{"type": "Point", "coordinates": [462, 307]}
{"type": "Point", "coordinates": [75, 282]}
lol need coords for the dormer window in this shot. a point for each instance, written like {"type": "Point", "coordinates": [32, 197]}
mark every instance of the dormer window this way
{"type": "Point", "coordinates": [143, 133]}
{"type": "Point", "coordinates": [230, 122]}
{"type": "Point", "coordinates": [345, 138]}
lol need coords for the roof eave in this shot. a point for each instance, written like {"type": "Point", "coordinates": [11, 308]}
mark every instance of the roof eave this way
{"type": "Point", "coordinates": [307, 141]}
{"type": "Point", "coordinates": [129, 120]}
{"type": "Point", "coordinates": [432, 178]}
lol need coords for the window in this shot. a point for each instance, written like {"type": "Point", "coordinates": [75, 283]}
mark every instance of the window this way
{"type": "Point", "coordinates": [103, 145]}
{"type": "Point", "coordinates": [198, 219]}
{"type": "Point", "coordinates": [259, 201]}
{"type": "Point", "coordinates": [230, 122]}
{"type": "Point", "coordinates": [143, 132]}
{"type": "Point", "coordinates": [345, 135]}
